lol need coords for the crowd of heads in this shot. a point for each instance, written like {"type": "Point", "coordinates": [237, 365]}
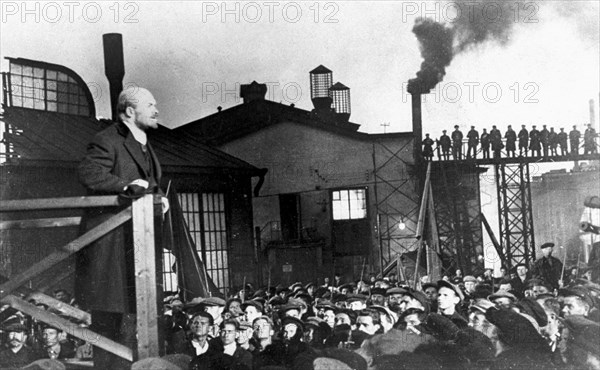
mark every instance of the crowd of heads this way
{"type": "Point", "coordinates": [521, 319]}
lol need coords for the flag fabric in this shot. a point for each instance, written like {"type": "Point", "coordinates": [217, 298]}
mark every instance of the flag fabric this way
{"type": "Point", "coordinates": [192, 277]}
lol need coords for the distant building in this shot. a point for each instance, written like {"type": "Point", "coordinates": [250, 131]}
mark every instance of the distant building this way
{"type": "Point", "coordinates": [333, 198]}
{"type": "Point", "coordinates": [558, 198]}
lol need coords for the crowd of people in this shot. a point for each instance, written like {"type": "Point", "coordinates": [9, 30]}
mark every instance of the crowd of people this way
{"type": "Point", "coordinates": [535, 143]}
{"type": "Point", "coordinates": [535, 317]}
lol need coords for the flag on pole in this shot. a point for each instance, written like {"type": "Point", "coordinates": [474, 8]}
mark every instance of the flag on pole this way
{"type": "Point", "coordinates": [192, 277]}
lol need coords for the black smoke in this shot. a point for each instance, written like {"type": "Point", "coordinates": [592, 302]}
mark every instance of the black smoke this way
{"type": "Point", "coordinates": [474, 23]}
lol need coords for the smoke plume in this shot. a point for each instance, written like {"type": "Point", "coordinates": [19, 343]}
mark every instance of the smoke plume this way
{"type": "Point", "coordinates": [474, 23]}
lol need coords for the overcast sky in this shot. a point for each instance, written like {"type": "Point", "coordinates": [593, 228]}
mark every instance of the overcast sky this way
{"type": "Point", "coordinates": [193, 55]}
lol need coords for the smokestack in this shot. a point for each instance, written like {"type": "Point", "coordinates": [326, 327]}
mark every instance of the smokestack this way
{"type": "Point", "coordinates": [417, 126]}
{"type": "Point", "coordinates": [114, 67]}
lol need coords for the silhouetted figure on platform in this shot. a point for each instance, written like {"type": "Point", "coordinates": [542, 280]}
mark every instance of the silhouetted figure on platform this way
{"type": "Point", "coordinates": [545, 140]}
{"type": "Point", "coordinates": [553, 141]}
{"type": "Point", "coordinates": [534, 142]}
{"type": "Point", "coordinates": [523, 141]}
{"type": "Point", "coordinates": [574, 136]}
{"type": "Point", "coordinates": [428, 148]}
{"type": "Point", "coordinates": [445, 143]}
{"type": "Point", "coordinates": [473, 136]}
{"type": "Point", "coordinates": [457, 137]}
{"type": "Point", "coordinates": [511, 140]}
{"type": "Point", "coordinates": [496, 139]}
{"type": "Point", "coordinates": [562, 141]}
{"type": "Point", "coordinates": [485, 144]}
{"type": "Point", "coordinates": [589, 144]}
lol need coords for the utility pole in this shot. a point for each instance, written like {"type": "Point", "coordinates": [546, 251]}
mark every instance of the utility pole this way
{"type": "Point", "coordinates": [385, 125]}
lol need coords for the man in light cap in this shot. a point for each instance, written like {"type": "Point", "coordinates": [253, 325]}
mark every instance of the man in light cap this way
{"type": "Point", "coordinates": [548, 268]}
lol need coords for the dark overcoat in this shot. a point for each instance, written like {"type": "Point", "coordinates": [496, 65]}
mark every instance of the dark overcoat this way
{"type": "Point", "coordinates": [104, 270]}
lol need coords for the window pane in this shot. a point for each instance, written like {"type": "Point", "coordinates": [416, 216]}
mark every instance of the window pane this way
{"type": "Point", "coordinates": [349, 204]}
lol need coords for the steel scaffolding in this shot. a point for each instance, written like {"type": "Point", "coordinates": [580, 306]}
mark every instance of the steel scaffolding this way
{"type": "Point", "coordinates": [457, 209]}
{"type": "Point", "coordinates": [515, 214]}
{"type": "Point", "coordinates": [396, 190]}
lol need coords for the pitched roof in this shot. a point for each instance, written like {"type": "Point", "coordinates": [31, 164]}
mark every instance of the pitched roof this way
{"type": "Point", "coordinates": [244, 119]}
{"type": "Point", "coordinates": [57, 137]}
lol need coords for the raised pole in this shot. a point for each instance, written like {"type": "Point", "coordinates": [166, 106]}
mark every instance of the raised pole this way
{"type": "Point", "coordinates": [146, 216]}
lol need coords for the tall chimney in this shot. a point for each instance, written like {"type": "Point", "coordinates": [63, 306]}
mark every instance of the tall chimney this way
{"type": "Point", "coordinates": [114, 67]}
{"type": "Point", "coordinates": [417, 126]}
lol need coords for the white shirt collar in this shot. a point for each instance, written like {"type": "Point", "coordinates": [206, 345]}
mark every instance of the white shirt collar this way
{"type": "Point", "coordinates": [199, 348]}
{"type": "Point", "coordinates": [230, 349]}
{"type": "Point", "coordinates": [138, 134]}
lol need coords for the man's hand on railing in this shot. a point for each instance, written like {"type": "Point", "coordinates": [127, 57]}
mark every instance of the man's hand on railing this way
{"type": "Point", "coordinates": [136, 188]}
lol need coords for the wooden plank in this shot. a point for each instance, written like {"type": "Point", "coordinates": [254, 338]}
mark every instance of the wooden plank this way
{"type": "Point", "coordinates": [69, 327]}
{"type": "Point", "coordinates": [62, 307]}
{"type": "Point", "coordinates": [64, 252]}
{"type": "Point", "coordinates": [145, 278]}
{"type": "Point", "coordinates": [434, 265]}
{"type": "Point", "coordinates": [59, 203]}
{"type": "Point", "coordinates": [497, 245]}
{"type": "Point", "coordinates": [40, 223]}
{"type": "Point", "coordinates": [421, 223]}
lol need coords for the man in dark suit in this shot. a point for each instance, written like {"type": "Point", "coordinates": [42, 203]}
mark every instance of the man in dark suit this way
{"type": "Point", "coordinates": [118, 160]}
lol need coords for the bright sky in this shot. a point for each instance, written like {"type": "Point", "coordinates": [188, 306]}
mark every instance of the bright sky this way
{"type": "Point", "coordinates": [194, 55]}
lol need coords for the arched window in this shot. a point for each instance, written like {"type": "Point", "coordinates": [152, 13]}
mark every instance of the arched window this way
{"type": "Point", "coordinates": [48, 87]}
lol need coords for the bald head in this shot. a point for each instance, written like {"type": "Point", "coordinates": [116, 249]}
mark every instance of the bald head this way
{"type": "Point", "coordinates": [137, 105]}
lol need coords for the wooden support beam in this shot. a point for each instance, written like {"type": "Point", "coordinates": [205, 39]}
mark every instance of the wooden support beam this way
{"type": "Point", "coordinates": [60, 203]}
{"type": "Point", "coordinates": [69, 327]}
{"type": "Point", "coordinates": [434, 265]}
{"type": "Point", "coordinates": [146, 287]}
{"type": "Point", "coordinates": [64, 252]}
{"type": "Point", "coordinates": [497, 245]}
{"type": "Point", "coordinates": [40, 223]}
{"type": "Point", "coordinates": [62, 307]}
{"type": "Point", "coordinates": [421, 223]}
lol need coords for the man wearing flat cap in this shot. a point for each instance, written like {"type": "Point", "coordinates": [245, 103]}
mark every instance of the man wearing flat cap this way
{"type": "Point", "coordinates": [378, 296]}
{"type": "Point", "coordinates": [449, 298]}
{"type": "Point", "coordinates": [547, 268]}
{"type": "Point", "coordinates": [577, 301]}
{"type": "Point", "coordinates": [17, 354]}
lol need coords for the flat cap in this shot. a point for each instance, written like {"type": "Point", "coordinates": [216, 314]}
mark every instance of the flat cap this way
{"type": "Point", "coordinates": [502, 294]}
{"type": "Point", "coordinates": [379, 291]}
{"type": "Point", "coordinates": [547, 245]}
{"type": "Point", "coordinates": [356, 297]}
{"type": "Point", "coordinates": [446, 284]}
{"type": "Point", "coordinates": [578, 291]}
{"type": "Point", "coordinates": [470, 278]}
{"type": "Point", "coordinates": [396, 290]}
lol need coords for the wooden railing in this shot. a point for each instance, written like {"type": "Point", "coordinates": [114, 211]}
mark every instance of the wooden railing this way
{"type": "Point", "coordinates": [142, 213]}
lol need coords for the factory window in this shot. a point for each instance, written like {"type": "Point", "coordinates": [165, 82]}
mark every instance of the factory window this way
{"type": "Point", "coordinates": [43, 88]}
{"type": "Point", "coordinates": [206, 220]}
{"type": "Point", "coordinates": [349, 204]}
